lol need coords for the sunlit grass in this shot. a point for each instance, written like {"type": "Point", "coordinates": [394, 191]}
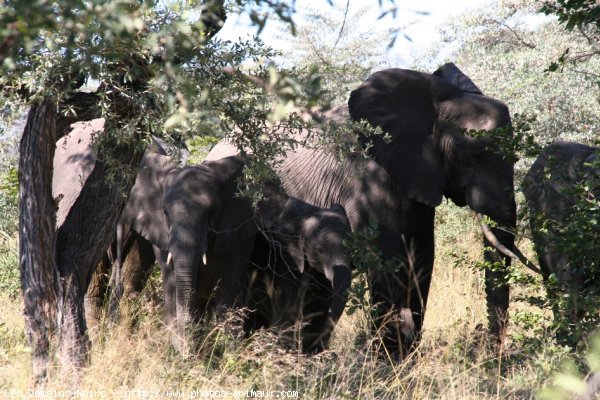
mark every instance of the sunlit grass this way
{"type": "Point", "coordinates": [452, 361]}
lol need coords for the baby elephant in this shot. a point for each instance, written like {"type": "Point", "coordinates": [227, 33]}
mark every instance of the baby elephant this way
{"type": "Point", "coordinates": [300, 270]}
{"type": "Point", "coordinates": [562, 212]}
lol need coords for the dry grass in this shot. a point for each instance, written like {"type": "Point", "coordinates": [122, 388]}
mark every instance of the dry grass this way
{"type": "Point", "coordinates": [452, 361]}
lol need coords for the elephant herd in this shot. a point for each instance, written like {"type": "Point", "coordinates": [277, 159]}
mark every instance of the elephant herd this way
{"type": "Point", "coordinates": [284, 258]}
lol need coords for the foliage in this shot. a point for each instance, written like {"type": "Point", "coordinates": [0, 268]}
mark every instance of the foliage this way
{"type": "Point", "coordinates": [337, 41]}
{"type": "Point", "coordinates": [190, 86]}
{"type": "Point", "coordinates": [574, 13]}
{"type": "Point", "coordinates": [365, 257]}
{"type": "Point", "coordinates": [10, 284]}
{"type": "Point", "coordinates": [570, 381]}
{"type": "Point", "coordinates": [507, 47]}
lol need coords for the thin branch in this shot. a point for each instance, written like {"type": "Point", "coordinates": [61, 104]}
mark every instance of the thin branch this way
{"type": "Point", "coordinates": [515, 34]}
{"type": "Point", "coordinates": [343, 23]}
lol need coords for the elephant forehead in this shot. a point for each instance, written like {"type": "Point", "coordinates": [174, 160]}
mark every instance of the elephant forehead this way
{"type": "Point", "coordinates": [193, 199]}
{"type": "Point", "coordinates": [327, 227]}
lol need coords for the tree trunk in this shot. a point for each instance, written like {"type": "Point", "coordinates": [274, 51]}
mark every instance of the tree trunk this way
{"type": "Point", "coordinates": [37, 218]}
{"type": "Point", "coordinates": [56, 266]}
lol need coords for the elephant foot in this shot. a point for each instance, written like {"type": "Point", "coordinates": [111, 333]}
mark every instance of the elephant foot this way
{"type": "Point", "coordinates": [399, 334]}
{"type": "Point", "coordinates": [182, 343]}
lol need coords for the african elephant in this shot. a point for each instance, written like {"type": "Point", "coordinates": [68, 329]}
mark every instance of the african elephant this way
{"type": "Point", "coordinates": [196, 223]}
{"type": "Point", "coordinates": [552, 189]}
{"type": "Point", "coordinates": [300, 269]}
{"type": "Point", "coordinates": [428, 153]}
{"type": "Point", "coordinates": [204, 235]}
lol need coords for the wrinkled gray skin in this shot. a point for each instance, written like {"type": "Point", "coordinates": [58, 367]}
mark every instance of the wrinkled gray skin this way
{"type": "Point", "coordinates": [428, 157]}
{"type": "Point", "coordinates": [300, 269]}
{"type": "Point", "coordinates": [548, 189]}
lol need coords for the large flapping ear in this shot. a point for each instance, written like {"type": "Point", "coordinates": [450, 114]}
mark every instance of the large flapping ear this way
{"type": "Point", "coordinates": [291, 228]}
{"type": "Point", "coordinates": [143, 210]}
{"type": "Point", "coordinates": [295, 248]}
{"type": "Point", "coordinates": [401, 103]}
{"type": "Point", "coordinates": [452, 74]}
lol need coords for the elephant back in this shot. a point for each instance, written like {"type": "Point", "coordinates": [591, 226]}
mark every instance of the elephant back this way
{"type": "Point", "coordinates": [74, 161]}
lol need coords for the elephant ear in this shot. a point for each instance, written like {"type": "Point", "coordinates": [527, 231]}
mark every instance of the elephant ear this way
{"type": "Point", "coordinates": [401, 103]}
{"type": "Point", "coordinates": [451, 73]}
{"type": "Point", "coordinates": [143, 211]}
{"type": "Point", "coordinates": [296, 222]}
{"type": "Point", "coordinates": [295, 249]}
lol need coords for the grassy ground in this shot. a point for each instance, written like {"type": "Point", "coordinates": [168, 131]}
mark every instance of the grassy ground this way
{"type": "Point", "coordinates": [134, 359]}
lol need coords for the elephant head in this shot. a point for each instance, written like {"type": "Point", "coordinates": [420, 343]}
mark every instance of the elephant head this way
{"type": "Point", "coordinates": [175, 208]}
{"type": "Point", "coordinates": [431, 153]}
{"type": "Point", "coordinates": [313, 238]}
{"type": "Point", "coordinates": [195, 202]}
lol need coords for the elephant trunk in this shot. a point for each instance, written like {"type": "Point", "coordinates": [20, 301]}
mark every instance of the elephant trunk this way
{"type": "Point", "coordinates": [186, 275]}
{"type": "Point", "coordinates": [187, 258]}
{"type": "Point", "coordinates": [341, 280]}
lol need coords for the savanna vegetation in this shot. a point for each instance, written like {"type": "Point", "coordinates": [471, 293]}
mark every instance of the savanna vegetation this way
{"type": "Point", "coordinates": [157, 68]}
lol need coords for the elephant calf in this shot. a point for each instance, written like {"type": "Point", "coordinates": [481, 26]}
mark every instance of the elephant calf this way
{"type": "Point", "coordinates": [562, 190]}
{"type": "Point", "coordinates": [300, 269]}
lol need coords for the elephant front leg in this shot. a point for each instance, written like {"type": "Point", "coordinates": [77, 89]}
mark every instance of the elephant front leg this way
{"type": "Point", "coordinates": [401, 297]}
{"type": "Point", "coordinates": [496, 285]}
{"type": "Point", "coordinates": [96, 294]}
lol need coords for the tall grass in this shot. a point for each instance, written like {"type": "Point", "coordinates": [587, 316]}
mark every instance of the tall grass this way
{"type": "Point", "coordinates": [134, 357]}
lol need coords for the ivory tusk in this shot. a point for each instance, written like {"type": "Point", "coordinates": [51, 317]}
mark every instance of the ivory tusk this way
{"type": "Point", "coordinates": [169, 258]}
{"type": "Point", "coordinates": [204, 258]}
{"type": "Point", "coordinates": [515, 253]}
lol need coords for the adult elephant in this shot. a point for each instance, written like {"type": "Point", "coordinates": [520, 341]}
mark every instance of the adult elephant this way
{"type": "Point", "coordinates": [427, 154]}
{"type": "Point", "coordinates": [560, 212]}
{"type": "Point", "coordinates": [196, 224]}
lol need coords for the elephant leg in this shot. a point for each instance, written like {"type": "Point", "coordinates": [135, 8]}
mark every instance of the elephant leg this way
{"type": "Point", "coordinates": [132, 266]}
{"type": "Point", "coordinates": [139, 258]}
{"type": "Point", "coordinates": [95, 296]}
{"type": "Point", "coordinates": [169, 286]}
{"type": "Point", "coordinates": [257, 301]}
{"type": "Point", "coordinates": [401, 297]}
{"type": "Point", "coordinates": [496, 285]}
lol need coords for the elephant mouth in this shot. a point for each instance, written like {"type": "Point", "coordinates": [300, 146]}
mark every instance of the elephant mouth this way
{"type": "Point", "coordinates": [515, 253]}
